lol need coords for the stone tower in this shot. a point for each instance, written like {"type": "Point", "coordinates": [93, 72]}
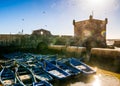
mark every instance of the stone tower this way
{"type": "Point", "coordinates": [91, 33]}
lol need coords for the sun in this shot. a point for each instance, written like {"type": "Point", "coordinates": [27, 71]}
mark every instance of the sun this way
{"type": "Point", "coordinates": [96, 5]}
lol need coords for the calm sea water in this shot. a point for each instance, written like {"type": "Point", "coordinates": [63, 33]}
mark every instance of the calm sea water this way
{"type": "Point", "coordinates": [94, 80]}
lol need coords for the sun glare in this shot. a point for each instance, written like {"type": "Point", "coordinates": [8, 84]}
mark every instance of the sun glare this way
{"type": "Point", "coordinates": [95, 68]}
{"type": "Point", "coordinates": [86, 33]}
{"type": "Point", "coordinates": [97, 1]}
{"type": "Point", "coordinates": [97, 81]}
{"type": "Point", "coordinates": [96, 5]}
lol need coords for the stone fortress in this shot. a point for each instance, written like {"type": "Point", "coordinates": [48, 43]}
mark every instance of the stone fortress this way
{"type": "Point", "coordinates": [91, 32]}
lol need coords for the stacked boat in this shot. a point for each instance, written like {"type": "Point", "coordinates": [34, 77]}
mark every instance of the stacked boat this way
{"type": "Point", "coordinates": [54, 71]}
{"type": "Point", "coordinates": [68, 69]}
{"type": "Point", "coordinates": [7, 77]}
{"type": "Point", "coordinates": [84, 68]}
{"type": "Point", "coordinates": [39, 70]}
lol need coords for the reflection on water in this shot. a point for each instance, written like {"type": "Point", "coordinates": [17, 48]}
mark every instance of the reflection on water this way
{"type": "Point", "coordinates": [95, 68]}
{"type": "Point", "coordinates": [99, 80]}
{"type": "Point", "coordinates": [94, 80]}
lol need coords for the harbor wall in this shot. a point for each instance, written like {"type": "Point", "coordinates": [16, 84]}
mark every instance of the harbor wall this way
{"type": "Point", "coordinates": [70, 51]}
{"type": "Point", "coordinates": [108, 59]}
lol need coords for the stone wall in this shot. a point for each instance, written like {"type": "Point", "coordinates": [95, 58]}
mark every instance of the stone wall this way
{"type": "Point", "coordinates": [70, 51]}
{"type": "Point", "coordinates": [108, 59]}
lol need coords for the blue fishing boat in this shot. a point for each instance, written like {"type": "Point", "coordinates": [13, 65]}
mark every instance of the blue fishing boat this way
{"type": "Point", "coordinates": [7, 77]}
{"type": "Point", "coordinates": [38, 72]}
{"type": "Point", "coordinates": [7, 63]}
{"type": "Point", "coordinates": [84, 68]}
{"type": "Point", "coordinates": [66, 68]}
{"type": "Point", "coordinates": [53, 70]}
{"type": "Point", "coordinates": [24, 76]}
{"type": "Point", "coordinates": [42, 83]}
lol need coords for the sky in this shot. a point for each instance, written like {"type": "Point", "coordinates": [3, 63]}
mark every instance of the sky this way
{"type": "Point", "coordinates": [57, 15]}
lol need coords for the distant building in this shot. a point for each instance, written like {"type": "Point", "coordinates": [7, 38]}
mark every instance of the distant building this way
{"type": "Point", "coordinates": [91, 32]}
{"type": "Point", "coordinates": [41, 32]}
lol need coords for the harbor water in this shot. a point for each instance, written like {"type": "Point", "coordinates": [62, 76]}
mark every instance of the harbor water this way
{"type": "Point", "coordinates": [94, 80]}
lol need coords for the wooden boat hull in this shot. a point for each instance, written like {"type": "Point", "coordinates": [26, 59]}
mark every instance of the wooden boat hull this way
{"type": "Point", "coordinates": [24, 76]}
{"type": "Point", "coordinates": [84, 68]}
{"type": "Point", "coordinates": [40, 74]}
{"type": "Point", "coordinates": [68, 69]}
{"type": "Point", "coordinates": [7, 77]}
{"type": "Point", "coordinates": [42, 83]}
{"type": "Point", "coordinates": [54, 71]}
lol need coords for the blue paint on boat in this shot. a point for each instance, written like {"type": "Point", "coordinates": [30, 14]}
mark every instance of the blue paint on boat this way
{"type": "Point", "coordinates": [87, 70]}
{"type": "Point", "coordinates": [54, 71]}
